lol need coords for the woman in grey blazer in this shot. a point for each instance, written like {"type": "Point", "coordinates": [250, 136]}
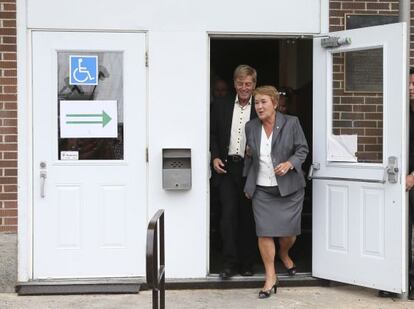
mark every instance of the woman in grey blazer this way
{"type": "Point", "coordinates": [276, 149]}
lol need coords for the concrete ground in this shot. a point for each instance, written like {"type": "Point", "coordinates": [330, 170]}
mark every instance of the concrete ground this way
{"type": "Point", "coordinates": [8, 262]}
{"type": "Point", "coordinates": [286, 297]}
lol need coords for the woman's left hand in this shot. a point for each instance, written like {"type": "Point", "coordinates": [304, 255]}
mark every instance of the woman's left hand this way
{"type": "Point", "coordinates": [282, 168]}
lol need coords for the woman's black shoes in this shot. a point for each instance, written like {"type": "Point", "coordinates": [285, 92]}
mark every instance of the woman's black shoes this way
{"type": "Point", "coordinates": [266, 293]}
{"type": "Point", "coordinates": [291, 271]}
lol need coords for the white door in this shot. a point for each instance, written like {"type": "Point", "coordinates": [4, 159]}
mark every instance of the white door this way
{"type": "Point", "coordinates": [89, 168]}
{"type": "Point", "coordinates": [360, 126]}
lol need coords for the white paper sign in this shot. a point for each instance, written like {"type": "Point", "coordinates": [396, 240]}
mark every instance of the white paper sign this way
{"type": "Point", "coordinates": [342, 148]}
{"type": "Point", "coordinates": [69, 155]}
{"type": "Point", "coordinates": [88, 119]}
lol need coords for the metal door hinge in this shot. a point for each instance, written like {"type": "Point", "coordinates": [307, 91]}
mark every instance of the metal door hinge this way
{"type": "Point", "coordinates": [146, 155]}
{"type": "Point", "coordinates": [146, 59]}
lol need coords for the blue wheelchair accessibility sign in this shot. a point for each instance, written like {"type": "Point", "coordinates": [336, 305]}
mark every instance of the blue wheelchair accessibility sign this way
{"type": "Point", "coordinates": [83, 70]}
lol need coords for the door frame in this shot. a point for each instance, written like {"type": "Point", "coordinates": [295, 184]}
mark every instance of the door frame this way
{"type": "Point", "coordinates": [250, 36]}
{"type": "Point", "coordinates": [25, 141]}
{"type": "Point", "coordinates": [228, 35]}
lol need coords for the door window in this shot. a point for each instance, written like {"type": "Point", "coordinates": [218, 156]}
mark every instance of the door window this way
{"type": "Point", "coordinates": [357, 107]}
{"type": "Point", "coordinates": [90, 84]}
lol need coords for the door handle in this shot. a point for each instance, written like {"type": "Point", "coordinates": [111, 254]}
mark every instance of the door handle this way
{"type": "Point", "coordinates": [43, 176]}
{"type": "Point", "coordinates": [314, 167]}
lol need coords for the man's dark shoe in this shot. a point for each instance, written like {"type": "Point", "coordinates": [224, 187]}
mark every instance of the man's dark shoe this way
{"type": "Point", "coordinates": [411, 295]}
{"type": "Point", "coordinates": [226, 273]}
{"type": "Point", "coordinates": [384, 294]}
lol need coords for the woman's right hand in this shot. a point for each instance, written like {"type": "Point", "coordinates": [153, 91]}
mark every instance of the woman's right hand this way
{"type": "Point", "coordinates": [247, 195]}
{"type": "Point", "coordinates": [282, 168]}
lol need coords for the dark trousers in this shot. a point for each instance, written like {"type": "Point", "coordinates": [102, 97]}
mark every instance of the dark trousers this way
{"type": "Point", "coordinates": [215, 213]}
{"type": "Point", "coordinates": [237, 224]}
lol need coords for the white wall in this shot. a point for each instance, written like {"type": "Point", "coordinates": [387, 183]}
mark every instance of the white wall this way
{"type": "Point", "coordinates": [289, 16]}
{"type": "Point", "coordinates": [178, 114]}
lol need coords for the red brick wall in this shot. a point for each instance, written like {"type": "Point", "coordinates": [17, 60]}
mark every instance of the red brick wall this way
{"type": "Point", "coordinates": [339, 9]}
{"type": "Point", "coordinates": [8, 117]}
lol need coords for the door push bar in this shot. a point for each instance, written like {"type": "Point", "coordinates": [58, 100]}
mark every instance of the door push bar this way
{"type": "Point", "coordinates": [390, 173]}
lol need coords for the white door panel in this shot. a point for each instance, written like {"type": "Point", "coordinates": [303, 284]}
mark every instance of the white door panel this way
{"type": "Point", "coordinates": [355, 239]}
{"type": "Point", "coordinates": [89, 212]}
{"type": "Point", "coordinates": [359, 213]}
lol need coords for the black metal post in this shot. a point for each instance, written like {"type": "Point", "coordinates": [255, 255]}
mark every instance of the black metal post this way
{"type": "Point", "coordinates": [156, 270]}
{"type": "Point", "coordinates": [162, 263]}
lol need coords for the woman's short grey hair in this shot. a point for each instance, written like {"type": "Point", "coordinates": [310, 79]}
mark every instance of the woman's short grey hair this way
{"type": "Point", "coordinates": [269, 91]}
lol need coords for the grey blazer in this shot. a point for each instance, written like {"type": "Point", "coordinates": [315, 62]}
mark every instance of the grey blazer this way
{"type": "Point", "coordinates": [288, 144]}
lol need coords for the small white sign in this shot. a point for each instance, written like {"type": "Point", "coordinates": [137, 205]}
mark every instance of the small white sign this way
{"type": "Point", "coordinates": [342, 148]}
{"type": "Point", "coordinates": [88, 119]}
{"type": "Point", "coordinates": [69, 155]}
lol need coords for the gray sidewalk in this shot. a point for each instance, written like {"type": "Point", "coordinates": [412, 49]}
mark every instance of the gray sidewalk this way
{"type": "Point", "coordinates": [286, 297]}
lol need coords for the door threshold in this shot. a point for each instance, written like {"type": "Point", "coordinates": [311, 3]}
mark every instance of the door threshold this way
{"type": "Point", "coordinates": [213, 281]}
{"type": "Point", "coordinates": [134, 285]}
{"type": "Point", "coordinates": [80, 286]}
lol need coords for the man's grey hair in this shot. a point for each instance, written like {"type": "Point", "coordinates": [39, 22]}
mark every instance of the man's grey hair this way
{"type": "Point", "coordinates": [245, 70]}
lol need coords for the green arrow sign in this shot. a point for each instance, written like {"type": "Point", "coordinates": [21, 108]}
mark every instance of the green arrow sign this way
{"type": "Point", "coordinates": [105, 119]}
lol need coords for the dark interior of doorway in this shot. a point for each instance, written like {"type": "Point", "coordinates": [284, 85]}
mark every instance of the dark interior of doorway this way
{"type": "Point", "coordinates": [287, 64]}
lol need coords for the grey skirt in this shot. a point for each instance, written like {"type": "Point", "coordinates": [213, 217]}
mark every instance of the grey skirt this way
{"type": "Point", "coordinates": [277, 216]}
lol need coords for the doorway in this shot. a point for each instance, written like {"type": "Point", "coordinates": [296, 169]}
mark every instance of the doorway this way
{"type": "Point", "coordinates": [287, 64]}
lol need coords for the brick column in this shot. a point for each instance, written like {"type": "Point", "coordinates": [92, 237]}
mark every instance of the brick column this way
{"type": "Point", "coordinates": [8, 117]}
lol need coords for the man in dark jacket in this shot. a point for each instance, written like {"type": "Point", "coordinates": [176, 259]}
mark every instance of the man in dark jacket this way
{"type": "Point", "coordinates": [227, 146]}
